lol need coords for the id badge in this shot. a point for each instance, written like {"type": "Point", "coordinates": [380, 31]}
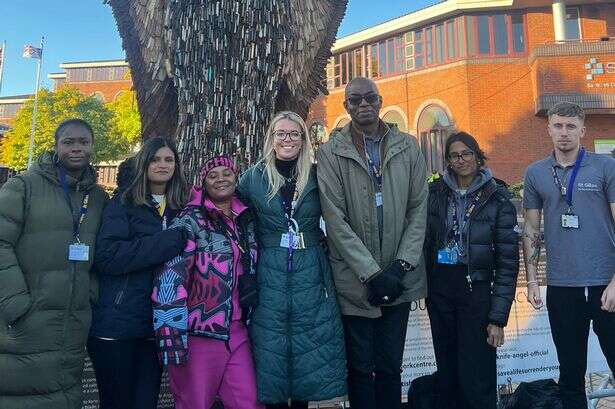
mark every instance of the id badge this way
{"type": "Point", "coordinates": [448, 256]}
{"type": "Point", "coordinates": [378, 199]}
{"type": "Point", "coordinates": [298, 242]}
{"type": "Point", "coordinates": [78, 252]}
{"type": "Point", "coordinates": [570, 221]}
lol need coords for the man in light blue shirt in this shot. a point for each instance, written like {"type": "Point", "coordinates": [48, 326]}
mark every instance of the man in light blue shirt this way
{"type": "Point", "coordinates": [576, 191]}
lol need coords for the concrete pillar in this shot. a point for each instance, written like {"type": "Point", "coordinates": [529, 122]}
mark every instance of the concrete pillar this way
{"type": "Point", "coordinates": [559, 20]}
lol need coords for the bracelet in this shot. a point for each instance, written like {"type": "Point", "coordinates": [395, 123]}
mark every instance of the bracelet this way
{"type": "Point", "coordinates": [532, 282]}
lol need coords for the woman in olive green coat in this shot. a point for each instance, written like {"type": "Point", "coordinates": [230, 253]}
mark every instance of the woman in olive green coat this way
{"type": "Point", "coordinates": [297, 335]}
{"type": "Point", "coordinates": [44, 290]}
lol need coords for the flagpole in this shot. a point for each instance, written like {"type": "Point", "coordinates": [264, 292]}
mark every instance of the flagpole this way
{"type": "Point", "coordinates": [38, 81]}
{"type": "Point", "coordinates": [2, 54]}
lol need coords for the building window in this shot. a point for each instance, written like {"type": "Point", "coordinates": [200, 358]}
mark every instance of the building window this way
{"type": "Point", "coordinates": [499, 34]}
{"type": "Point", "coordinates": [434, 127]}
{"type": "Point", "coordinates": [410, 50]}
{"type": "Point", "coordinates": [429, 45]}
{"type": "Point", "coordinates": [573, 24]}
{"type": "Point", "coordinates": [419, 49]}
{"type": "Point", "coordinates": [343, 67]}
{"type": "Point", "coordinates": [395, 117]}
{"type": "Point", "coordinates": [450, 40]}
{"type": "Point", "coordinates": [518, 33]}
{"type": "Point", "coordinates": [388, 57]}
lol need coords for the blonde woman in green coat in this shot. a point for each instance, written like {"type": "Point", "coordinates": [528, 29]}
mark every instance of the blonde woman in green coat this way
{"type": "Point", "coordinates": [49, 217]}
{"type": "Point", "coordinates": [296, 330]}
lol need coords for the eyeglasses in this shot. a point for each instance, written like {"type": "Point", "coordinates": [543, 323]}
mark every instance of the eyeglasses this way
{"type": "Point", "coordinates": [357, 99]}
{"type": "Point", "coordinates": [466, 156]}
{"type": "Point", "coordinates": [283, 135]}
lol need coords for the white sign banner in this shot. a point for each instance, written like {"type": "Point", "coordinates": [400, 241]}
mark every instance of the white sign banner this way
{"type": "Point", "coordinates": [527, 355]}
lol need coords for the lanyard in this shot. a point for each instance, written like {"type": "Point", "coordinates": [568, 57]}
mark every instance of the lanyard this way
{"type": "Point", "coordinates": [223, 227]}
{"type": "Point", "coordinates": [77, 221]}
{"type": "Point", "coordinates": [293, 225]}
{"type": "Point", "coordinates": [457, 228]}
{"type": "Point", "coordinates": [567, 191]}
{"type": "Point", "coordinates": [375, 170]}
{"type": "Point", "coordinates": [161, 208]}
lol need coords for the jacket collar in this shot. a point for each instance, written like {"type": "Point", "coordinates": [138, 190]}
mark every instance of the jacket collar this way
{"type": "Point", "coordinates": [348, 142]}
{"type": "Point", "coordinates": [47, 168]}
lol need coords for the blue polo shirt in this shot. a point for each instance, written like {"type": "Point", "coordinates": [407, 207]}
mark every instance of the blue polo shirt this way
{"type": "Point", "coordinates": [576, 257]}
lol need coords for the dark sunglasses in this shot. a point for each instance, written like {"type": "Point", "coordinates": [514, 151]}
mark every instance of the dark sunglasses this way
{"type": "Point", "coordinates": [369, 98]}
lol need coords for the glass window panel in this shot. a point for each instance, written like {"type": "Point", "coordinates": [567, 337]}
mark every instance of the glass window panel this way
{"type": "Point", "coordinates": [518, 33]}
{"type": "Point", "coordinates": [344, 67]}
{"type": "Point", "coordinates": [374, 60]}
{"type": "Point", "coordinates": [573, 30]}
{"type": "Point", "coordinates": [439, 43]}
{"type": "Point", "coordinates": [484, 46]}
{"type": "Point", "coordinates": [358, 63]}
{"type": "Point", "coordinates": [471, 32]}
{"type": "Point", "coordinates": [337, 72]}
{"type": "Point", "coordinates": [461, 40]}
{"type": "Point", "coordinates": [409, 37]}
{"type": "Point", "coordinates": [400, 54]}
{"type": "Point", "coordinates": [500, 33]}
{"type": "Point", "coordinates": [382, 58]}
{"type": "Point", "coordinates": [450, 39]}
{"type": "Point", "coordinates": [429, 46]}
{"type": "Point", "coordinates": [390, 56]}
{"type": "Point", "coordinates": [394, 117]}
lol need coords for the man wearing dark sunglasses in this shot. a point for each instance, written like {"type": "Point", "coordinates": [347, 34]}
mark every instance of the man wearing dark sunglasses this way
{"type": "Point", "coordinates": [373, 192]}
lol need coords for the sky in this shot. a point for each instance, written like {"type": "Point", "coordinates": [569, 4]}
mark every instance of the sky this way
{"type": "Point", "coordinates": [84, 30]}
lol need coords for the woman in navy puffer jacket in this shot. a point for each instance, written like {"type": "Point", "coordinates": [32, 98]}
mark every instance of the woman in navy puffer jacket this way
{"type": "Point", "coordinates": [132, 242]}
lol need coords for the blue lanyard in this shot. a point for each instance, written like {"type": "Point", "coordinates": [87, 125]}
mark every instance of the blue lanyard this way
{"type": "Point", "coordinates": [375, 170]}
{"type": "Point", "coordinates": [575, 171]}
{"type": "Point", "coordinates": [77, 221]}
{"type": "Point", "coordinates": [457, 228]}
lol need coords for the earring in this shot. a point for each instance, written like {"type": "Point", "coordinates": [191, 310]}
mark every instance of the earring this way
{"type": "Point", "coordinates": [55, 158]}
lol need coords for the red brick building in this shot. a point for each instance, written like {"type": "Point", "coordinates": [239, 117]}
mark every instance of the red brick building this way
{"type": "Point", "coordinates": [489, 67]}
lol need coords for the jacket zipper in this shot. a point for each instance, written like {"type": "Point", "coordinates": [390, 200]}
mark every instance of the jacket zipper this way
{"type": "Point", "coordinates": [467, 243]}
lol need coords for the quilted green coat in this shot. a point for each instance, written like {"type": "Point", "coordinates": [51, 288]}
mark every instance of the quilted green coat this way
{"type": "Point", "coordinates": [44, 298]}
{"type": "Point", "coordinates": [296, 330]}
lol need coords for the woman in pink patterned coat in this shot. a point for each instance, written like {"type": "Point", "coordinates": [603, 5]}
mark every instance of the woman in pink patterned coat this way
{"type": "Point", "coordinates": [203, 298]}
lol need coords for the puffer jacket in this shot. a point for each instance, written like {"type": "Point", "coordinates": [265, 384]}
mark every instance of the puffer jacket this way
{"type": "Point", "coordinates": [43, 296]}
{"type": "Point", "coordinates": [491, 244]}
{"type": "Point", "coordinates": [196, 292]}
{"type": "Point", "coordinates": [131, 245]}
{"type": "Point", "coordinates": [296, 331]}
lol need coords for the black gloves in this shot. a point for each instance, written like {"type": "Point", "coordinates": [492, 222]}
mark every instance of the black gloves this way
{"type": "Point", "coordinates": [386, 287]}
{"type": "Point", "coordinates": [248, 291]}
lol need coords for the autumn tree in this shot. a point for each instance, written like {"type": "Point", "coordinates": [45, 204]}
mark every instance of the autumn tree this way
{"type": "Point", "coordinates": [116, 126]}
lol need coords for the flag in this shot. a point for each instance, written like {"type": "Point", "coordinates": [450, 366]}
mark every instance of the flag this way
{"type": "Point", "coordinates": [30, 51]}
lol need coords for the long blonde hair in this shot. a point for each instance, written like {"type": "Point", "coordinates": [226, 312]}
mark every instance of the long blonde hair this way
{"type": "Point", "coordinates": [304, 161]}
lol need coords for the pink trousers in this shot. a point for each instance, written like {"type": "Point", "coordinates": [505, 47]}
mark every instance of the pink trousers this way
{"type": "Point", "coordinates": [215, 371]}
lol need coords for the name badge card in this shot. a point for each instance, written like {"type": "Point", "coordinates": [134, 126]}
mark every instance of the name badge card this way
{"type": "Point", "coordinates": [378, 199]}
{"type": "Point", "coordinates": [570, 221]}
{"type": "Point", "coordinates": [448, 256]}
{"type": "Point", "coordinates": [298, 242]}
{"type": "Point", "coordinates": [78, 252]}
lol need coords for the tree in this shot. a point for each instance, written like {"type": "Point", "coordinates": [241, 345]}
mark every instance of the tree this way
{"type": "Point", "coordinates": [115, 131]}
{"type": "Point", "coordinates": [125, 124]}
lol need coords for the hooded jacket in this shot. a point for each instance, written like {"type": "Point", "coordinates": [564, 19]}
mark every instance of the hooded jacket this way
{"type": "Point", "coordinates": [131, 245]}
{"type": "Point", "coordinates": [490, 239]}
{"type": "Point", "coordinates": [196, 292]}
{"type": "Point", "coordinates": [44, 297]}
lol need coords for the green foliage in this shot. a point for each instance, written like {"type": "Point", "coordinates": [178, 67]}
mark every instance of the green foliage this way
{"type": "Point", "coordinates": [516, 189]}
{"type": "Point", "coordinates": [116, 126]}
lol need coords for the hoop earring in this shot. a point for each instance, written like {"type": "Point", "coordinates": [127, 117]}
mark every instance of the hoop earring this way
{"type": "Point", "coordinates": [55, 158]}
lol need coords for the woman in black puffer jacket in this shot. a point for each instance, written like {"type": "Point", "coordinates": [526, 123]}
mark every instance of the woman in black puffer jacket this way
{"type": "Point", "coordinates": [472, 260]}
{"type": "Point", "coordinates": [132, 243]}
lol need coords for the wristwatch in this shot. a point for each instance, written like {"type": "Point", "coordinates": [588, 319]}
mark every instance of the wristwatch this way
{"type": "Point", "coordinates": [406, 266]}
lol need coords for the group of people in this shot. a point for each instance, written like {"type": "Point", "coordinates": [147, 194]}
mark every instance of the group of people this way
{"type": "Point", "coordinates": [235, 288]}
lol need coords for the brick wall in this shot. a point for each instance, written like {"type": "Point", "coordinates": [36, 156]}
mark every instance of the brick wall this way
{"type": "Point", "coordinates": [494, 99]}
